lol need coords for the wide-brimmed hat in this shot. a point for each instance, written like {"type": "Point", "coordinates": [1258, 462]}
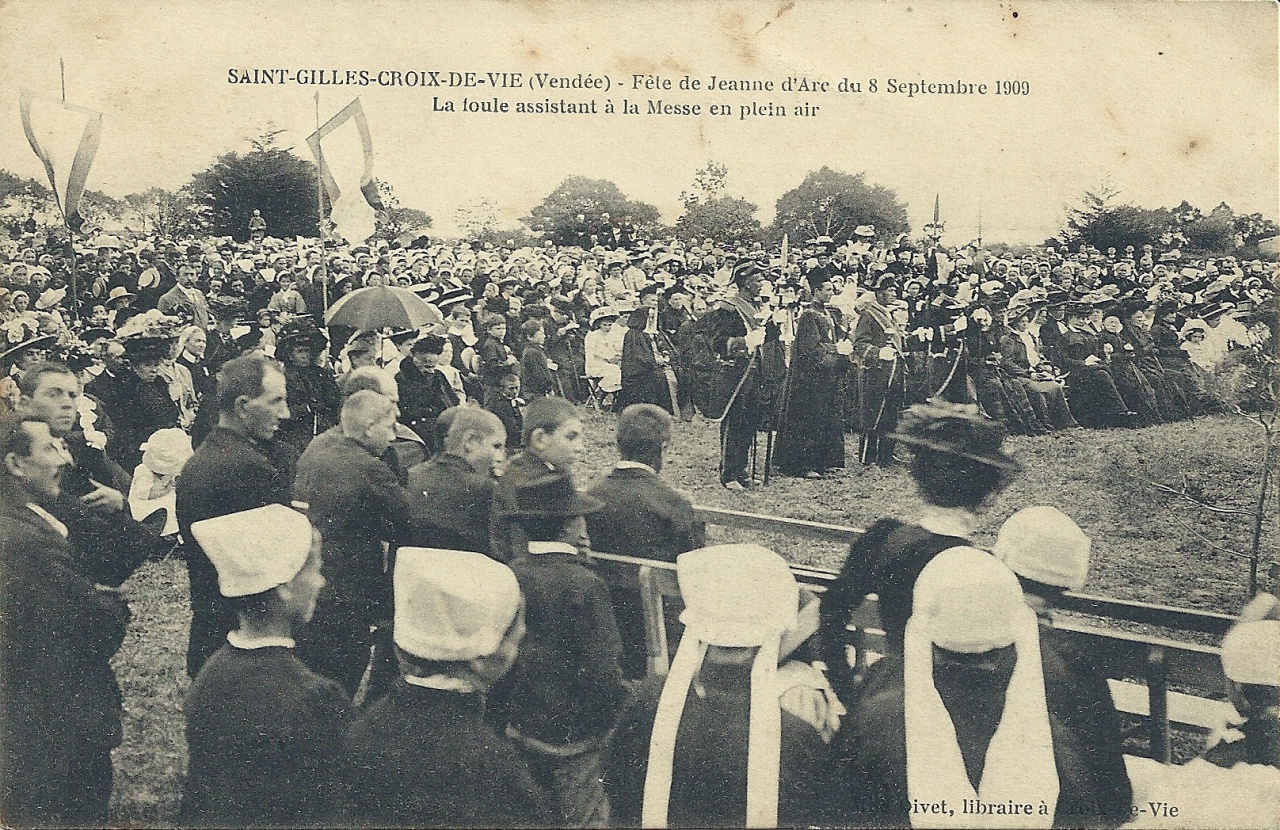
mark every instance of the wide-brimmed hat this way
{"type": "Point", "coordinates": [118, 294]}
{"type": "Point", "coordinates": [44, 341]}
{"type": "Point", "coordinates": [301, 332]}
{"type": "Point", "coordinates": [602, 313]}
{"type": "Point", "coordinates": [955, 429]}
{"type": "Point", "coordinates": [145, 347]}
{"type": "Point", "coordinates": [548, 497]}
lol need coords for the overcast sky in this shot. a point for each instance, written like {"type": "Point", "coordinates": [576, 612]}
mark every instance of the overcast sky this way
{"type": "Point", "coordinates": [1167, 101]}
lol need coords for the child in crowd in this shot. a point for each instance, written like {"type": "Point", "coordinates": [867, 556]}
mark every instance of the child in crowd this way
{"type": "Point", "coordinates": [537, 373]}
{"type": "Point", "coordinates": [552, 439]}
{"type": "Point", "coordinates": [567, 687]}
{"type": "Point", "coordinates": [264, 731]}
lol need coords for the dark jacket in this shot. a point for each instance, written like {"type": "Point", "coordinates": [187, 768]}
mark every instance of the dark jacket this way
{"type": "Point", "coordinates": [643, 516]}
{"type": "Point", "coordinates": [426, 758]}
{"type": "Point", "coordinates": [449, 505]}
{"type": "Point", "coordinates": [536, 378]}
{"type": "Point", "coordinates": [59, 701]}
{"type": "Point", "coordinates": [709, 775]}
{"type": "Point", "coordinates": [520, 468]}
{"type": "Point", "coordinates": [229, 473]}
{"type": "Point", "coordinates": [423, 396]}
{"type": "Point", "coordinates": [356, 502]}
{"type": "Point", "coordinates": [265, 739]}
{"type": "Point", "coordinates": [566, 686]}
{"type": "Point", "coordinates": [1094, 789]}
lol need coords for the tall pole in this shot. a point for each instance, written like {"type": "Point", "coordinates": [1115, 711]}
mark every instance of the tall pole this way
{"type": "Point", "coordinates": [71, 234]}
{"type": "Point", "coordinates": [979, 221]}
{"type": "Point", "coordinates": [324, 261]}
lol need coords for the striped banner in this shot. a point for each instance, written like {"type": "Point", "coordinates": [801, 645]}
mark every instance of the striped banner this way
{"type": "Point", "coordinates": [343, 148]}
{"type": "Point", "coordinates": [65, 138]}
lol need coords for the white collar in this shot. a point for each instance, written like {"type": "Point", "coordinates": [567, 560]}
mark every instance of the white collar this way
{"type": "Point", "coordinates": [48, 517]}
{"type": "Point", "coordinates": [551, 547]}
{"type": "Point", "coordinates": [634, 465]}
{"type": "Point", "coordinates": [244, 641]}
{"type": "Point", "coordinates": [948, 521]}
{"type": "Point", "coordinates": [442, 682]}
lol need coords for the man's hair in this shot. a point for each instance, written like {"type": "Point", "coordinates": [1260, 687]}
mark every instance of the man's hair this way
{"type": "Point", "coordinates": [467, 422]}
{"type": "Point", "coordinates": [362, 410]}
{"type": "Point", "coordinates": [242, 376]}
{"type": "Point", "coordinates": [643, 429]}
{"type": "Point", "coordinates": [488, 321]}
{"type": "Point", "coordinates": [531, 327]}
{"type": "Point", "coordinates": [947, 480]}
{"type": "Point", "coordinates": [14, 437]}
{"type": "Point", "coordinates": [366, 378]}
{"type": "Point", "coordinates": [547, 414]}
{"type": "Point", "coordinates": [29, 380]}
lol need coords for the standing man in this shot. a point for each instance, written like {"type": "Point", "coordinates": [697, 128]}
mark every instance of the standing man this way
{"type": "Point", "coordinates": [59, 701]}
{"type": "Point", "coordinates": [737, 335]}
{"type": "Point", "coordinates": [239, 466]}
{"type": "Point", "coordinates": [878, 352]}
{"type": "Point", "coordinates": [185, 298]}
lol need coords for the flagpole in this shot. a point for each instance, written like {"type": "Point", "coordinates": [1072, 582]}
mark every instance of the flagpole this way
{"type": "Point", "coordinates": [71, 234]}
{"type": "Point", "coordinates": [324, 260]}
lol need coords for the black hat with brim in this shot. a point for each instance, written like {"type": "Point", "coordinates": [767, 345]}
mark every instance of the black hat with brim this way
{"type": "Point", "coordinates": [146, 347]}
{"type": "Point", "coordinates": [44, 341]}
{"type": "Point", "coordinates": [955, 429]}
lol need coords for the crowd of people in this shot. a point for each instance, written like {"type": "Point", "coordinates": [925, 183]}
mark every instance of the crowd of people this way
{"type": "Point", "coordinates": [394, 624]}
{"type": "Point", "coordinates": [803, 344]}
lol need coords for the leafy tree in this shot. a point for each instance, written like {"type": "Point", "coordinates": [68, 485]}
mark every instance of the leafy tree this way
{"type": "Point", "coordinates": [477, 219]}
{"type": "Point", "coordinates": [708, 212]}
{"type": "Point", "coordinates": [267, 178]}
{"type": "Point", "coordinates": [1252, 228]}
{"type": "Point", "coordinates": [1214, 233]}
{"type": "Point", "coordinates": [833, 203]}
{"type": "Point", "coordinates": [395, 220]}
{"type": "Point", "coordinates": [575, 211]}
{"type": "Point", "coordinates": [1100, 223]}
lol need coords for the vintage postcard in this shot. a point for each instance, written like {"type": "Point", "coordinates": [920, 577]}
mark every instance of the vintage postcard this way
{"type": "Point", "coordinates": [888, 226]}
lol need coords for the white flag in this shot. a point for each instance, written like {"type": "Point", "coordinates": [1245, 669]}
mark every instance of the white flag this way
{"type": "Point", "coordinates": [65, 138]}
{"type": "Point", "coordinates": [343, 149]}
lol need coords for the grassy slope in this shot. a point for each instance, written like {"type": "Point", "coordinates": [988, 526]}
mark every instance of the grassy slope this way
{"type": "Point", "coordinates": [1147, 546]}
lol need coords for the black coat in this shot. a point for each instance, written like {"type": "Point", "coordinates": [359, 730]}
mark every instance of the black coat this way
{"type": "Point", "coordinates": [566, 686]}
{"type": "Point", "coordinates": [1094, 789]}
{"type": "Point", "coordinates": [423, 396]}
{"type": "Point", "coordinates": [426, 758]}
{"type": "Point", "coordinates": [709, 775]}
{"type": "Point", "coordinates": [59, 701]}
{"type": "Point", "coordinates": [357, 504]}
{"type": "Point", "coordinates": [229, 473]}
{"type": "Point", "coordinates": [646, 517]}
{"type": "Point", "coordinates": [265, 739]}
{"type": "Point", "coordinates": [449, 505]}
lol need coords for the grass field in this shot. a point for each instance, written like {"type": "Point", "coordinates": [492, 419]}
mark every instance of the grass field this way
{"type": "Point", "coordinates": [1149, 545]}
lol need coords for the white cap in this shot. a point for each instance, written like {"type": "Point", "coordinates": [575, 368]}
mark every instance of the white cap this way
{"type": "Point", "coordinates": [1251, 653]}
{"type": "Point", "coordinates": [255, 550]}
{"type": "Point", "coordinates": [734, 595]}
{"type": "Point", "coordinates": [1044, 544]}
{"type": "Point", "coordinates": [167, 451]}
{"type": "Point", "coordinates": [965, 600]}
{"type": "Point", "coordinates": [737, 595]}
{"type": "Point", "coordinates": [452, 605]}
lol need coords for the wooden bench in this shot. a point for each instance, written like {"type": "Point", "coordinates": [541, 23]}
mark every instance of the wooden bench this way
{"type": "Point", "coordinates": [1143, 668]}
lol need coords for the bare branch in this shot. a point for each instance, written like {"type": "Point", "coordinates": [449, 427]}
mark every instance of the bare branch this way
{"type": "Point", "coordinates": [1218, 547]}
{"type": "Point", "coordinates": [1184, 495]}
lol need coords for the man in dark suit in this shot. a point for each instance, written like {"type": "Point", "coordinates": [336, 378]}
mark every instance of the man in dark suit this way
{"type": "Point", "coordinates": [185, 298]}
{"type": "Point", "coordinates": [239, 466]}
{"type": "Point", "coordinates": [642, 516]}
{"type": "Point", "coordinates": [357, 503]}
{"type": "Point", "coordinates": [59, 701]}
{"type": "Point", "coordinates": [878, 349]}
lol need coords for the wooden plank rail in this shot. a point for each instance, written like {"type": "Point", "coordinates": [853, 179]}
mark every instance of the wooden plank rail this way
{"type": "Point", "coordinates": [1158, 662]}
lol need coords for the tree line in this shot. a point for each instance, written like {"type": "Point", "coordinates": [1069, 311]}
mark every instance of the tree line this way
{"type": "Point", "coordinates": [220, 200]}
